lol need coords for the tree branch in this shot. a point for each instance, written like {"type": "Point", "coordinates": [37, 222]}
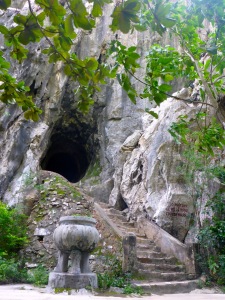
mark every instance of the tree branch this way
{"type": "Point", "coordinates": [49, 41]}
{"type": "Point", "coordinates": [167, 94]}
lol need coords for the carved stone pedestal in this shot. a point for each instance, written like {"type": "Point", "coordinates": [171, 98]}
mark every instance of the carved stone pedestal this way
{"type": "Point", "coordinates": [75, 238]}
{"type": "Point", "coordinates": [72, 281]}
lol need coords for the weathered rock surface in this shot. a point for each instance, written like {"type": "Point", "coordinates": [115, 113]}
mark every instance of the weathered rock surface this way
{"type": "Point", "coordinates": [148, 177]}
{"type": "Point", "coordinates": [139, 159]}
{"type": "Point", "coordinates": [114, 117]}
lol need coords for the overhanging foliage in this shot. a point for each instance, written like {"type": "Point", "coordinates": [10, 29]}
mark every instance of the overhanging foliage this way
{"type": "Point", "coordinates": [200, 56]}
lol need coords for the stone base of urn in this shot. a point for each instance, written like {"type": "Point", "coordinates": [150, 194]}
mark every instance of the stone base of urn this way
{"type": "Point", "coordinates": [72, 281]}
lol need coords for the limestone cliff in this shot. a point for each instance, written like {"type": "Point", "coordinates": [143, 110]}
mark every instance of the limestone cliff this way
{"type": "Point", "coordinates": [137, 155]}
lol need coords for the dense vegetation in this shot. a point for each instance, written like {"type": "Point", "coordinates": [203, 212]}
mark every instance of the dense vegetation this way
{"type": "Point", "coordinates": [12, 231]}
{"type": "Point", "coordinates": [13, 237]}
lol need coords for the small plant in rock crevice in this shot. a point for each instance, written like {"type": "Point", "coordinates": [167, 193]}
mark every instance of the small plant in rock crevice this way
{"type": "Point", "coordinates": [89, 215]}
{"type": "Point", "coordinates": [115, 277]}
{"type": "Point", "coordinates": [92, 174]}
{"type": "Point", "coordinates": [38, 276]}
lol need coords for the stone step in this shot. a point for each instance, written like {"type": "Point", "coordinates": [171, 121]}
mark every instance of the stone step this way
{"type": "Point", "coordinates": [144, 241]}
{"type": "Point", "coordinates": [157, 260]}
{"type": "Point", "coordinates": [118, 218]}
{"type": "Point", "coordinates": [113, 211]}
{"type": "Point", "coordinates": [125, 224]}
{"type": "Point", "coordinates": [141, 255]}
{"type": "Point", "coordinates": [152, 264]}
{"type": "Point", "coordinates": [160, 267]}
{"type": "Point", "coordinates": [146, 247]}
{"type": "Point", "coordinates": [130, 229]}
{"type": "Point", "coordinates": [104, 205]}
{"type": "Point", "coordinates": [127, 227]}
{"type": "Point", "coordinates": [128, 224]}
{"type": "Point", "coordinates": [175, 287]}
{"type": "Point", "coordinates": [162, 276]}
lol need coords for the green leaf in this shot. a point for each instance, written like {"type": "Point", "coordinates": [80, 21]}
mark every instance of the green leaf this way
{"type": "Point", "coordinates": [168, 22]}
{"type": "Point", "coordinates": [20, 19]}
{"type": "Point", "coordinates": [53, 9]}
{"type": "Point", "coordinates": [97, 10]}
{"type": "Point", "coordinates": [80, 15]}
{"type": "Point", "coordinates": [19, 53]}
{"type": "Point", "coordinates": [97, 7]}
{"type": "Point", "coordinates": [31, 32]}
{"type": "Point", "coordinates": [207, 64]}
{"type": "Point", "coordinates": [4, 4]}
{"type": "Point", "coordinates": [212, 50]}
{"type": "Point", "coordinates": [159, 98]}
{"type": "Point", "coordinates": [124, 14]}
{"type": "Point", "coordinates": [124, 81]}
{"type": "Point", "coordinates": [168, 77]}
{"type": "Point", "coordinates": [65, 42]}
{"type": "Point", "coordinates": [17, 29]}
{"type": "Point", "coordinates": [26, 37]}
{"type": "Point", "coordinates": [165, 87]}
{"type": "Point", "coordinates": [69, 29]}
{"type": "Point", "coordinates": [140, 27]}
{"type": "Point", "coordinates": [3, 29]}
{"type": "Point", "coordinates": [92, 64]}
{"type": "Point", "coordinates": [155, 115]}
{"type": "Point", "coordinates": [132, 95]}
{"type": "Point", "coordinates": [41, 17]}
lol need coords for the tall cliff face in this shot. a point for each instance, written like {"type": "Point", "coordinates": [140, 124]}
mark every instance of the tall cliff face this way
{"type": "Point", "coordinates": [137, 155]}
{"type": "Point", "coordinates": [24, 143]}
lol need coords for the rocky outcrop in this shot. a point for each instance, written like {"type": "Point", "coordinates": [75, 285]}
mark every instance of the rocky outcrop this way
{"type": "Point", "coordinates": [148, 176]}
{"type": "Point", "coordinates": [100, 133]}
{"type": "Point", "coordinates": [139, 161]}
{"type": "Point", "coordinates": [48, 197]}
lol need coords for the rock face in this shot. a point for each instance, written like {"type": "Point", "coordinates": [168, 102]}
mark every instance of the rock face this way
{"type": "Point", "coordinates": [48, 197]}
{"type": "Point", "coordinates": [138, 158]}
{"type": "Point", "coordinates": [149, 181]}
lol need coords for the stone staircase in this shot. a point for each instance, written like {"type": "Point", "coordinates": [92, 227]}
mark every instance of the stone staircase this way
{"type": "Point", "coordinates": [157, 272]}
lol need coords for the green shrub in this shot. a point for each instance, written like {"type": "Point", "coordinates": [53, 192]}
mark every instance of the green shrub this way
{"type": "Point", "coordinates": [12, 230]}
{"type": "Point", "coordinates": [212, 240]}
{"type": "Point", "coordinates": [130, 289]}
{"type": "Point", "coordinates": [38, 276]}
{"type": "Point", "coordinates": [115, 277]}
{"type": "Point", "coordinates": [11, 271]}
{"type": "Point", "coordinates": [219, 172]}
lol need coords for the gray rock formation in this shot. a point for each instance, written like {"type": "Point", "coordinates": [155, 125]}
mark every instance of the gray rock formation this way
{"type": "Point", "coordinates": [149, 180]}
{"type": "Point", "coordinates": [25, 144]}
{"type": "Point", "coordinates": [138, 157]}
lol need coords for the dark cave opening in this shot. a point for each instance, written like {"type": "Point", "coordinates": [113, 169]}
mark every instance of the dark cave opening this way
{"type": "Point", "coordinates": [67, 158]}
{"type": "Point", "coordinates": [121, 204]}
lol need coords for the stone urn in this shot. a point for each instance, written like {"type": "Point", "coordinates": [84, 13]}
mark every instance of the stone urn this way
{"type": "Point", "coordinates": [75, 238]}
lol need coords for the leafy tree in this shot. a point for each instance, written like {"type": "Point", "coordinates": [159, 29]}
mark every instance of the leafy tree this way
{"type": "Point", "coordinates": [201, 54]}
{"type": "Point", "coordinates": [13, 234]}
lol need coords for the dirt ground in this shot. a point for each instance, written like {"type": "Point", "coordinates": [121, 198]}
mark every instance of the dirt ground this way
{"type": "Point", "coordinates": [25, 291]}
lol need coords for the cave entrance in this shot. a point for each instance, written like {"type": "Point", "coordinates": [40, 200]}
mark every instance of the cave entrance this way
{"type": "Point", "coordinates": [66, 157]}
